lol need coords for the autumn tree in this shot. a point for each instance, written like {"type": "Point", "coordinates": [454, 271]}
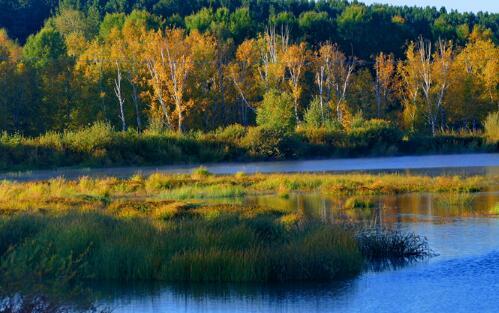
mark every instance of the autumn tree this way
{"type": "Point", "coordinates": [295, 58]}
{"type": "Point", "coordinates": [272, 46]}
{"type": "Point", "coordinates": [10, 108]}
{"type": "Point", "coordinates": [384, 69]}
{"type": "Point", "coordinates": [473, 90]}
{"type": "Point", "coordinates": [408, 88]}
{"type": "Point", "coordinates": [333, 72]}
{"type": "Point", "coordinates": [425, 77]}
{"type": "Point", "coordinates": [434, 73]}
{"type": "Point", "coordinates": [243, 72]}
{"type": "Point", "coordinates": [173, 58]}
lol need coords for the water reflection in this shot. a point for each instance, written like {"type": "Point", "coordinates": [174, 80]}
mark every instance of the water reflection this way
{"type": "Point", "coordinates": [387, 210]}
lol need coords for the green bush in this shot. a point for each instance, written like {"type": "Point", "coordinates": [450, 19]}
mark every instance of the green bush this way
{"type": "Point", "coordinates": [272, 143]}
{"type": "Point", "coordinates": [232, 133]}
{"type": "Point", "coordinates": [100, 145]}
{"type": "Point", "coordinates": [314, 116]}
{"type": "Point", "coordinates": [276, 111]}
{"type": "Point", "coordinates": [374, 136]}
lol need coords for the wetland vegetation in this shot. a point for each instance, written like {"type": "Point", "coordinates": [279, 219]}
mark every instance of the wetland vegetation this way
{"type": "Point", "coordinates": [166, 227]}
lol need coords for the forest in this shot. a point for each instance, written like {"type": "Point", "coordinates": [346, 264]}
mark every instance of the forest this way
{"type": "Point", "coordinates": [306, 71]}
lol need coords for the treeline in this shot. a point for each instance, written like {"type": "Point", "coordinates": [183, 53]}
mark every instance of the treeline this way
{"type": "Point", "coordinates": [316, 21]}
{"type": "Point", "coordinates": [191, 65]}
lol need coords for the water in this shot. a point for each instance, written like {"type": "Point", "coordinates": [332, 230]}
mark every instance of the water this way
{"type": "Point", "coordinates": [464, 277]}
{"type": "Point", "coordinates": [459, 164]}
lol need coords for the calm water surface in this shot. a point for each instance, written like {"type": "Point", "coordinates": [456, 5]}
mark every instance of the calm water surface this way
{"type": "Point", "coordinates": [460, 164]}
{"type": "Point", "coordinates": [464, 277]}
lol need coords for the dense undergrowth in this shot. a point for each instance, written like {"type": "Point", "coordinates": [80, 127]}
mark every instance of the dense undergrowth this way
{"type": "Point", "coordinates": [100, 145]}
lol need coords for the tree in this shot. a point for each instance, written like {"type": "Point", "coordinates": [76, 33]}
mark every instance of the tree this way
{"type": "Point", "coordinates": [295, 58]}
{"type": "Point", "coordinates": [272, 45]}
{"type": "Point", "coordinates": [46, 55]}
{"type": "Point", "coordinates": [425, 74]}
{"type": "Point", "coordinates": [385, 69]}
{"type": "Point", "coordinates": [434, 71]}
{"type": "Point", "coordinates": [172, 59]}
{"type": "Point", "coordinates": [316, 27]}
{"type": "Point", "coordinates": [332, 76]}
{"type": "Point", "coordinates": [243, 72]}
{"type": "Point", "coordinates": [473, 82]}
{"type": "Point", "coordinates": [409, 87]}
{"type": "Point", "coordinates": [44, 48]}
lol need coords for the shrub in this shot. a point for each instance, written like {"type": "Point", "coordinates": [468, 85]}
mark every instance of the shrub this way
{"type": "Point", "coordinates": [323, 136]}
{"type": "Point", "coordinates": [271, 143]}
{"type": "Point", "coordinates": [314, 116]}
{"type": "Point", "coordinates": [91, 139]}
{"type": "Point", "coordinates": [276, 111]}
{"type": "Point", "coordinates": [376, 135]}
{"type": "Point", "coordinates": [200, 173]}
{"type": "Point", "coordinates": [232, 133]}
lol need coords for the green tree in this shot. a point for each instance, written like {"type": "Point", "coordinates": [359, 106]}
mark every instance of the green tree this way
{"type": "Point", "coordinates": [276, 111]}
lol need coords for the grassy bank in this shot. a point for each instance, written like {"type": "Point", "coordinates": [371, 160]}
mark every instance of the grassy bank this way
{"type": "Point", "coordinates": [107, 193]}
{"type": "Point", "coordinates": [100, 145]}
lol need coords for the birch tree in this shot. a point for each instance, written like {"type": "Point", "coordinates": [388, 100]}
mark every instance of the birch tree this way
{"type": "Point", "coordinates": [295, 58]}
{"type": "Point", "coordinates": [333, 74]}
{"type": "Point", "coordinates": [384, 69]}
{"type": "Point", "coordinates": [434, 71]}
{"type": "Point", "coordinates": [272, 46]}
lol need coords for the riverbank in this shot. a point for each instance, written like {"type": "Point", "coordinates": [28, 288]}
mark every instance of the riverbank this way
{"type": "Point", "coordinates": [101, 146]}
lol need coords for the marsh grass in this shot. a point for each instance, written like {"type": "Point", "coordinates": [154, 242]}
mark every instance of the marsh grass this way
{"type": "Point", "coordinates": [456, 199]}
{"type": "Point", "coordinates": [204, 185]}
{"type": "Point", "coordinates": [204, 192]}
{"type": "Point", "coordinates": [495, 209]}
{"type": "Point", "coordinates": [221, 243]}
{"type": "Point", "coordinates": [160, 228]}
